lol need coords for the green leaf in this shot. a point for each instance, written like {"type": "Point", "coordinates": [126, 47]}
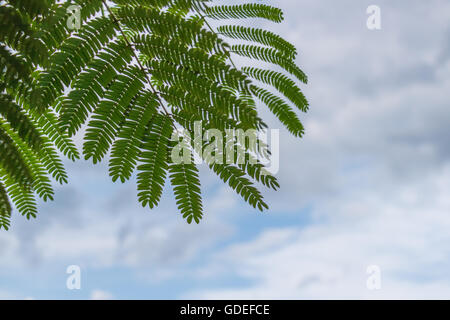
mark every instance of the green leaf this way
{"type": "Point", "coordinates": [272, 56]}
{"type": "Point", "coordinates": [249, 10]}
{"type": "Point", "coordinates": [186, 187]}
{"type": "Point", "coordinates": [5, 208]}
{"type": "Point", "coordinates": [126, 151]}
{"type": "Point", "coordinates": [260, 36]}
{"type": "Point", "coordinates": [153, 161]}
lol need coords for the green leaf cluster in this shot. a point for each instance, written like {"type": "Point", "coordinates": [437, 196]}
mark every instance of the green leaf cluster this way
{"type": "Point", "coordinates": [31, 140]}
{"type": "Point", "coordinates": [134, 73]}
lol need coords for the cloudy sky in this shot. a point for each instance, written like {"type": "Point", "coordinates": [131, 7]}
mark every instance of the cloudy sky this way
{"type": "Point", "coordinates": [368, 185]}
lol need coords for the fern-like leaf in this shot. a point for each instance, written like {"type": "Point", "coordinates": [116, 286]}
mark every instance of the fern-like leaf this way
{"type": "Point", "coordinates": [105, 124]}
{"type": "Point", "coordinates": [261, 36]}
{"type": "Point", "coordinates": [5, 208]}
{"type": "Point", "coordinates": [282, 110]}
{"type": "Point", "coordinates": [153, 161]}
{"type": "Point", "coordinates": [282, 83]}
{"type": "Point", "coordinates": [272, 56]}
{"type": "Point", "coordinates": [125, 151]}
{"type": "Point", "coordinates": [186, 187]}
{"type": "Point", "coordinates": [249, 10]}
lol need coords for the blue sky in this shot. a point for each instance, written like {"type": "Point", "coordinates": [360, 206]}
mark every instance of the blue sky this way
{"type": "Point", "coordinates": [367, 185]}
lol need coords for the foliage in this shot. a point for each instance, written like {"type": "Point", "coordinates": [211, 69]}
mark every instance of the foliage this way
{"type": "Point", "coordinates": [133, 74]}
{"type": "Point", "coordinates": [30, 137]}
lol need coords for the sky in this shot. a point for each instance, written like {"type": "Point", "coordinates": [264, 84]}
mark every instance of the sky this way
{"type": "Point", "coordinates": [368, 185]}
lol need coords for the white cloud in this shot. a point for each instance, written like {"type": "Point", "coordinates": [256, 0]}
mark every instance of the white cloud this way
{"type": "Point", "coordinates": [101, 295]}
{"type": "Point", "coordinates": [405, 234]}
